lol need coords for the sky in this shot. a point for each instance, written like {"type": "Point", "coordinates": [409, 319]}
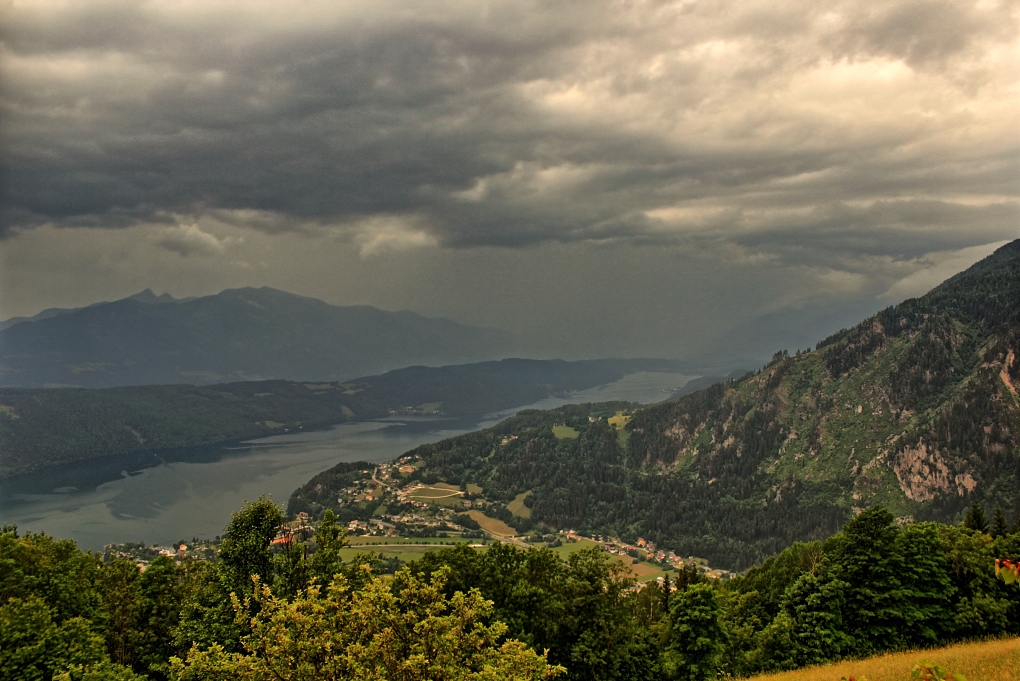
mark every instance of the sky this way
{"type": "Point", "coordinates": [632, 178]}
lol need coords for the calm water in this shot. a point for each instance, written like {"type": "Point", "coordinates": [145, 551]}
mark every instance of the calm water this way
{"type": "Point", "coordinates": [160, 498]}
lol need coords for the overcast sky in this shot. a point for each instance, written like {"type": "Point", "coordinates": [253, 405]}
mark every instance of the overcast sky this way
{"type": "Point", "coordinates": [634, 177]}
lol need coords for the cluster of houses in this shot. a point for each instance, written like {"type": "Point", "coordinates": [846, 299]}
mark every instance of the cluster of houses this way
{"type": "Point", "coordinates": [654, 555]}
{"type": "Point", "coordinates": [142, 555]}
{"type": "Point", "coordinates": [372, 527]}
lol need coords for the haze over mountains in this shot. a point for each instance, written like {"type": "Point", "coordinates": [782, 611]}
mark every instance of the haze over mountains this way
{"type": "Point", "coordinates": [238, 334]}
{"type": "Point", "coordinates": [916, 409]}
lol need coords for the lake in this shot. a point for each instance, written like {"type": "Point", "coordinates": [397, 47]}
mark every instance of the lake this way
{"type": "Point", "coordinates": [176, 495]}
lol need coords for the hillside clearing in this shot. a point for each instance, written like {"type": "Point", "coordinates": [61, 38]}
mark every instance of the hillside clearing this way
{"type": "Point", "coordinates": [491, 525]}
{"type": "Point", "coordinates": [619, 421]}
{"type": "Point", "coordinates": [431, 493]}
{"type": "Point", "coordinates": [565, 433]}
{"type": "Point", "coordinates": [997, 660]}
{"type": "Point", "coordinates": [517, 506]}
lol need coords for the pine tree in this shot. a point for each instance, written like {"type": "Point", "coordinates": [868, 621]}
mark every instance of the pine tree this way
{"type": "Point", "coordinates": [998, 523]}
{"type": "Point", "coordinates": [975, 518]}
{"type": "Point", "coordinates": [1015, 527]}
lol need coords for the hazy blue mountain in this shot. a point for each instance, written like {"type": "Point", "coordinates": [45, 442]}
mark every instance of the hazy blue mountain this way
{"type": "Point", "coordinates": [238, 334]}
{"type": "Point", "coordinates": [45, 314]}
{"type": "Point", "coordinates": [753, 342]}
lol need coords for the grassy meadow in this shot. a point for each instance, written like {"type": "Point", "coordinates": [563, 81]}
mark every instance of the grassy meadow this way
{"type": "Point", "coordinates": [997, 660]}
{"type": "Point", "coordinates": [565, 433]}
{"type": "Point", "coordinates": [517, 506]}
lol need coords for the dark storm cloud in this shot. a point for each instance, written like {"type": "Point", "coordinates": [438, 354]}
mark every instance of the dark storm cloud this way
{"type": "Point", "coordinates": [797, 129]}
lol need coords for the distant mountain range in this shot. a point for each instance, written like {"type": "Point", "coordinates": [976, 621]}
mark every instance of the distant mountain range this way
{"type": "Point", "coordinates": [236, 335]}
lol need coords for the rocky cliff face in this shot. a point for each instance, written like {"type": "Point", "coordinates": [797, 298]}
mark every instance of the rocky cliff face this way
{"type": "Point", "coordinates": [915, 408]}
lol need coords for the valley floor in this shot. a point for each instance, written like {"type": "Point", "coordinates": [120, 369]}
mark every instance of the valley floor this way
{"type": "Point", "coordinates": [997, 660]}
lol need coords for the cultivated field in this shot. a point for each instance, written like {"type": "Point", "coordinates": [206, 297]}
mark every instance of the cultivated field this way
{"type": "Point", "coordinates": [496, 527]}
{"type": "Point", "coordinates": [984, 661]}
{"type": "Point", "coordinates": [440, 493]}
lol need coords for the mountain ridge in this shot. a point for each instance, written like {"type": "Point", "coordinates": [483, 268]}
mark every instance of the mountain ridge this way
{"type": "Point", "coordinates": [237, 334]}
{"type": "Point", "coordinates": [914, 409]}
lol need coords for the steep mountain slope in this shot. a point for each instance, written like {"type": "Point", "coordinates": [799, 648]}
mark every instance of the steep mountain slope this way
{"type": "Point", "coordinates": [42, 427]}
{"type": "Point", "coordinates": [239, 334]}
{"type": "Point", "coordinates": [915, 408]}
{"type": "Point", "coordinates": [916, 404]}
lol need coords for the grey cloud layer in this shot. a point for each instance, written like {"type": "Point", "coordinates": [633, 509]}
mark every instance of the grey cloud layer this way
{"type": "Point", "coordinates": [840, 126]}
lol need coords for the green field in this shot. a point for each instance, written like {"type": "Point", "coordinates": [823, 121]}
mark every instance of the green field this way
{"type": "Point", "coordinates": [568, 548]}
{"type": "Point", "coordinates": [409, 549]}
{"type": "Point", "coordinates": [405, 548]}
{"type": "Point", "coordinates": [517, 506]}
{"type": "Point", "coordinates": [385, 541]}
{"type": "Point", "coordinates": [565, 433]}
{"type": "Point", "coordinates": [643, 571]}
{"type": "Point", "coordinates": [440, 495]}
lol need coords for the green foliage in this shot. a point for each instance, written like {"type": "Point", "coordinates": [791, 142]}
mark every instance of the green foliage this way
{"type": "Point", "coordinates": [404, 632]}
{"type": "Point", "coordinates": [928, 671]}
{"type": "Point", "coordinates": [696, 636]}
{"type": "Point", "coordinates": [329, 538]}
{"type": "Point", "coordinates": [975, 518]}
{"type": "Point", "coordinates": [245, 549]}
{"type": "Point", "coordinates": [580, 610]}
{"type": "Point", "coordinates": [872, 587]}
{"type": "Point", "coordinates": [998, 528]}
{"type": "Point", "coordinates": [35, 645]}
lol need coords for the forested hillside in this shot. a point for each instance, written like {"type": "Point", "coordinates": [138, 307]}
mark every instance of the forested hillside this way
{"type": "Point", "coordinates": [41, 427]}
{"type": "Point", "coordinates": [280, 604]}
{"type": "Point", "coordinates": [915, 408]}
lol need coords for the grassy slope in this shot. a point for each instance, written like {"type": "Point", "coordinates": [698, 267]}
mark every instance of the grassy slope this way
{"type": "Point", "coordinates": [982, 661]}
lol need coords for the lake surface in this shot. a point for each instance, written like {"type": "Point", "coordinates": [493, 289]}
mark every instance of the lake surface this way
{"type": "Point", "coordinates": [176, 495]}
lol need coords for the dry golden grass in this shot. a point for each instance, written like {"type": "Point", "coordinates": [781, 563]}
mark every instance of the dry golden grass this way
{"type": "Point", "coordinates": [496, 527]}
{"type": "Point", "coordinates": [618, 421]}
{"type": "Point", "coordinates": [983, 661]}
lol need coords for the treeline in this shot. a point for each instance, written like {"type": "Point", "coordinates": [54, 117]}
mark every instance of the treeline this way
{"type": "Point", "coordinates": [301, 612]}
